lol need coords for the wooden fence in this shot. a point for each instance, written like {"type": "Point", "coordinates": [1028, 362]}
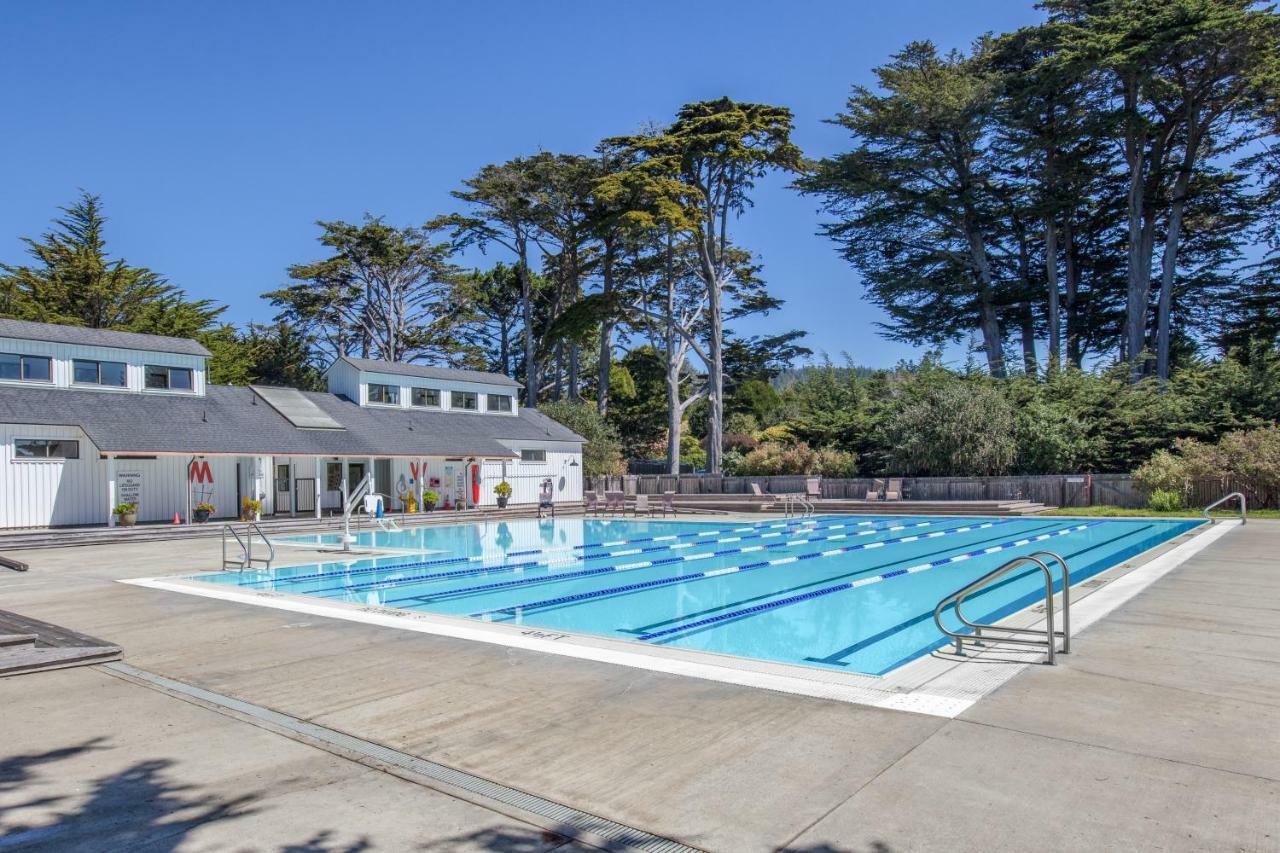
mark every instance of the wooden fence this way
{"type": "Point", "coordinates": [1063, 490]}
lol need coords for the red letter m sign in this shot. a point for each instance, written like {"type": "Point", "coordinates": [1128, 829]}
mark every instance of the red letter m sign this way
{"type": "Point", "coordinates": [200, 472]}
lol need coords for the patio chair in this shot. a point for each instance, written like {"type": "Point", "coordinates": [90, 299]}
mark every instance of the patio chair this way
{"type": "Point", "coordinates": [591, 503]}
{"type": "Point", "coordinates": [668, 503]}
{"type": "Point", "coordinates": [614, 501]}
{"type": "Point", "coordinates": [877, 486]}
{"type": "Point", "coordinates": [546, 502]}
{"type": "Point", "coordinates": [813, 488]}
{"type": "Point", "coordinates": [642, 505]}
{"type": "Point", "coordinates": [893, 492]}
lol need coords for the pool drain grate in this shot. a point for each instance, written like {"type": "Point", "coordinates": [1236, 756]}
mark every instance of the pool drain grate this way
{"type": "Point", "coordinates": [590, 828]}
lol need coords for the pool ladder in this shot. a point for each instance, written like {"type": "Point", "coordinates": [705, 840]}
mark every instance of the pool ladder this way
{"type": "Point", "coordinates": [246, 558]}
{"type": "Point", "coordinates": [1045, 637]}
{"type": "Point", "coordinates": [1244, 509]}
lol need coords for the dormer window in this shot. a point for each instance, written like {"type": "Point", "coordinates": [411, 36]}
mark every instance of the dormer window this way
{"type": "Point", "coordinates": [465, 400]}
{"type": "Point", "coordinates": [497, 403]}
{"type": "Point", "coordinates": [387, 395]}
{"type": "Point", "coordinates": [426, 397]}
{"type": "Point", "coordinates": [110, 373]}
{"type": "Point", "coordinates": [161, 378]}
{"type": "Point", "coordinates": [27, 368]}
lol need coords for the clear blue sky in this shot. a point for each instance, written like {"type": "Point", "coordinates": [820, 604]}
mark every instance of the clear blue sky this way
{"type": "Point", "coordinates": [218, 133]}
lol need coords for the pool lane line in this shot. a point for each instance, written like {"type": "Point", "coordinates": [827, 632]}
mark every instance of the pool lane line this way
{"type": "Point", "coordinates": [570, 558]}
{"type": "Point", "coordinates": [623, 567]}
{"type": "Point", "coordinates": [1000, 612]}
{"type": "Point", "coordinates": [531, 564]}
{"type": "Point", "coordinates": [644, 629]}
{"type": "Point", "coordinates": [730, 570]}
{"type": "Point", "coordinates": [818, 593]}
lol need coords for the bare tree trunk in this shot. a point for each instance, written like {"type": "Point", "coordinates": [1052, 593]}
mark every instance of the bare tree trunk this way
{"type": "Point", "coordinates": [531, 377]}
{"type": "Point", "coordinates": [574, 366]}
{"type": "Point", "coordinates": [1030, 363]}
{"type": "Point", "coordinates": [715, 382]}
{"type": "Point", "coordinates": [1072, 274]}
{"type": "Point", "coordinates": [606, 334]}
{"type": "Point", "coordinates": [1051, 283]}
{"type": "Point", "coordinates": [1169, 263]}
{"type": "Point", "coordinates": [992, 341]}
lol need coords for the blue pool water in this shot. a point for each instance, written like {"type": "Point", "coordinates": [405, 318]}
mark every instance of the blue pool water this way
{"type": "Point", "coordinates": [854, 594]}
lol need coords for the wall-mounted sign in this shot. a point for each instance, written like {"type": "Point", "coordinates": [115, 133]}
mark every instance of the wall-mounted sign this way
{"type": "Point", "coordinates": [129, 487]}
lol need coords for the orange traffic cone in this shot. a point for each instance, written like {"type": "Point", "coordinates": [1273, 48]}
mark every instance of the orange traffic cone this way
{"type": "Point", "coordinates": [177, 519]}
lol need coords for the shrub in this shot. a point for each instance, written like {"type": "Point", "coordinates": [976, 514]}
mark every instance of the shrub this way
{"type": "Point", "coordinates": [952, 429]}
{"type": "Point", "coordinates": [503, 489]}
{"type": "Point", "coordinates": [1164, 500]}
{"type": "Point", "coordinates": [776, 433]}
{"type": "Point", "coordinates": [740, 441]}
{"type": "Point", "coordinates": [125, 508]}
{"type": "Point", "coordinates": [430, 497]}
{"type": "Point", "coordinates": [773, 459]}
{"type": "Point", "coordinates": [602, 453]}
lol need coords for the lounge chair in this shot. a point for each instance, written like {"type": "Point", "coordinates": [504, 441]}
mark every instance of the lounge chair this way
{"type": "Point", "coordinates": [813, 488]}
{"type": "Point", "coordinates": [642, 505]}
{"type": "Point", "coordinates": [614, 501]}
{"type": "Point", "coordinates": [877, 486]}
{"type": "Point", "coordinates": [668, 503]}
{"type": "Point", "coordinates": [756, 491]}
{"type": "Point", "coordinates": [591, 503]}
{"type": "Point", "coordinates": [893, 492]}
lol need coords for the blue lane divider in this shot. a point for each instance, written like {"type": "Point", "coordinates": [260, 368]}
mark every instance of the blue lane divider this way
{"type": "Point", "coordinates": [568, 559]}
{"type": "Point", "coordinates": [829, 590]}
{"type": "Point", "coordinates": [623, 567]}
{"type": "Point", "coordinates": [713, 573]}
{"type": "Point", "coordinates": [388, 583]}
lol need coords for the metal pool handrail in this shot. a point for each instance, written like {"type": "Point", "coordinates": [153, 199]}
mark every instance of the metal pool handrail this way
{"type": "Point", "coordinates": [246, 546]}
{"type": "Point", "coordinates": [1048, 634]}
{"type": "Point", "coordinates": [1224, 499]}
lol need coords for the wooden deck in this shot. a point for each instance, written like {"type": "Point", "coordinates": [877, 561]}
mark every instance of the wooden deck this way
{"type": "Point", "coordinates": [30, 645]}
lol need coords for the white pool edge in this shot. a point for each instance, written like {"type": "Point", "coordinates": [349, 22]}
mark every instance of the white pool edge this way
{"type": "Point", "coordinates": [928, 685]}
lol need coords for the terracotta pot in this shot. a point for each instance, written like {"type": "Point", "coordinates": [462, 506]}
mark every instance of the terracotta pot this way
{"type": "Point", "coordinates": [128, 519]}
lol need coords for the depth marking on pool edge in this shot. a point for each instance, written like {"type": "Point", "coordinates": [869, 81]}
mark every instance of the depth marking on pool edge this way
{"type": "Point", "coordinates": [581, 825]}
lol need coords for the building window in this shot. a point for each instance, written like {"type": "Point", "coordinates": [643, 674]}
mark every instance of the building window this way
{"type": "Point", "coordinates": [333, 476]}
{"type": "Point", "coordinates": [163, 378]}
{"type": "Point", "coordinates": [533, 456]}
{"type": "Point", "coordinates": [386, 394]}
{"type": "Point", "coordinates": [429, 397]}
{"type": "Point", "coordinates": [497, 402]}
{"type": "Point", "coordinates": [31, 368]}
{"type": "Point", "coordinates": [86, 372]}
{"type": "Point", "coordinates": [46, 448]}
{"type": "Point", "coordinates": [463, 400]}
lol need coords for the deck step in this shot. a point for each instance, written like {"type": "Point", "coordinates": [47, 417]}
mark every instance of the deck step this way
{"type": "Point", "coordinates": [31, 645]}
{"type": "Point", "coordinates": [7, 640]}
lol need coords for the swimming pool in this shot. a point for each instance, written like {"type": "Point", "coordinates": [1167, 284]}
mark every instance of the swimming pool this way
{"type": "Point", "coordinates": [852, 594]}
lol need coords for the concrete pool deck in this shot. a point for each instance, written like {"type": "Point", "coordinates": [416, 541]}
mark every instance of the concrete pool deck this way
{"type": "Point", "coordinates": [1158, 731]}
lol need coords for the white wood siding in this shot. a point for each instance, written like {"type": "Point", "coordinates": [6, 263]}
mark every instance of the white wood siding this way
{"type": "Point", "coordinates": [62, 356]}
{"type": "Point", "coordinates": [43, 493]}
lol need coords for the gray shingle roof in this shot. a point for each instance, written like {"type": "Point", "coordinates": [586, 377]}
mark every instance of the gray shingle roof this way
{"type": "Point", "coordinates": [424, 371]}
{"type": "Point", "coordinates": [234, 420]}
{"type": "Point", "coordinates": [57, 334]}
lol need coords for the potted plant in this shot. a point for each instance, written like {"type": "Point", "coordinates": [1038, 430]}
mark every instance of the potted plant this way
{"type": "Point", "coordinates": [127, 514]}
{"type": "Point", "coordinates": [429, 500]}
{"type": "Point", "coordinates": [410, 501]}
{"type": "Point", "coordinates": [250, 509]}
{"type": "Point", "coordinates": [503, 491]}
{"type": "Point", "coordinates": [202, 511]}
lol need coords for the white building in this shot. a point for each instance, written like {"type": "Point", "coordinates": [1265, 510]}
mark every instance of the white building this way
{"type": "Point", "coordinates": [92, 418]}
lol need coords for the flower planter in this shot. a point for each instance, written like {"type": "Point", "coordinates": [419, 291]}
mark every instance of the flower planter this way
{"type": "Point", "coordinates": [128, 519]}
{"type": "Point", "coordinates": [502, 502]}
{"type": "Point", "coordinates": [428, 506]}
{"type": "Point", "coordinates": [201, 515]}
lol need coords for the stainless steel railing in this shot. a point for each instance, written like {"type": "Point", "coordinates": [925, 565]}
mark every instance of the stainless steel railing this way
{"type": "Point", "coordinates": [1220, 501]}
{"type": "Point", "coordinates": [1048, 637]}
{"type": "Point", "coordinates": [246, 558]}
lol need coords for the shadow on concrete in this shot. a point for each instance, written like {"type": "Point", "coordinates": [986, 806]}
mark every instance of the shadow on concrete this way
{"type": "Point", "coordinates": [504, 839]}
{"type": "Point", "coordinates": [876, 847]}
{"type": "Point", "coordinates": [139, 806]}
